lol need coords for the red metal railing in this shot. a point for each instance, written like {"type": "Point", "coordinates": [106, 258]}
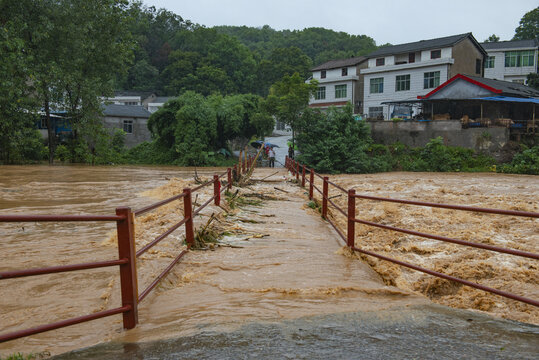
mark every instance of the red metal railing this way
{"type": "Point", "coordinates": [293, 166]}
{"type": "Point", "coordinates": [124, 219]}
{"type": "Point", "coordinates": [126, 261]}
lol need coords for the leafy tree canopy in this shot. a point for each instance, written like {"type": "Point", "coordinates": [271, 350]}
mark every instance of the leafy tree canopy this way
{"type": "Point", "coordinates": [493, 38]}
{"type": "Point", "coordinates": [528, 27]}
{"type": "Point", "coordinates": [334, 142]}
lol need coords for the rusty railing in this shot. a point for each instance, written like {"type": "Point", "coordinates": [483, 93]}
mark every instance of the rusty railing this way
{"type": "Point", "coordinates": [350, 214]}
{"type": "Point", "coordinates": [127, 253]}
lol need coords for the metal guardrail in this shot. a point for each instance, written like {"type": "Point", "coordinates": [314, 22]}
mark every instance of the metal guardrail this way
{"type": "Point", "coordinates": [124, 219]}
{"type": "Point", "coordinates": [294, 167]}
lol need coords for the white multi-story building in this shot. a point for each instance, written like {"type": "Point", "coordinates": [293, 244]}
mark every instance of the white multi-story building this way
{"type": "Point", "coordinates": [406, 71]}
{"type": "Point", "coordinates": [339, 83]}
{"type": "Point", "coordinates": [511, 60]}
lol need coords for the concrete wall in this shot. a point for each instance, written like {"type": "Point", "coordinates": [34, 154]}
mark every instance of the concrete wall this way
{"type": "Point", "coordinates": [465, 54]}
{"type": "Point", "coordinates": [140, 129]}
{"type": "Point", "coordinates": [418, 133]}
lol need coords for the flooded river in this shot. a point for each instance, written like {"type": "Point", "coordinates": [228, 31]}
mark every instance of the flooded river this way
{"type": "Point", "coordinates": [279, 287]}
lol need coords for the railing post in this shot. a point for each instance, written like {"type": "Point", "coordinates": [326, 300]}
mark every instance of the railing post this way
{"type": "Point", "coordinates": [128, 271]}
{"type": "Point", "coordinates": [217, 190]}
{"type": "Point", "coordinates": [188, 214]}
{"type": "Point", "coordinates": [297, 170]}
{"type": "Point", "coordinates": [311, 184]}
{"type": "Point", "coordinates": [303, 177]}
{"type": "Point", "coordinates": [351, 217]}
{"type": "Point", "coordinates": [229, 178]}
{"type": "Point", "coordinates": [325, 198]}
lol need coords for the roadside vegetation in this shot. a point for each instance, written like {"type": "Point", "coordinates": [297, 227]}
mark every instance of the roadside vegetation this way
{"type": "Point", "coordinates": [334, 142]}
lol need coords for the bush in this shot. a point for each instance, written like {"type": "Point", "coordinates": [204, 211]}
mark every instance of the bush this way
{"type": "Point", "coordinates": [526, 162]}
{"type": "Point", "coordinates": [334, 142]}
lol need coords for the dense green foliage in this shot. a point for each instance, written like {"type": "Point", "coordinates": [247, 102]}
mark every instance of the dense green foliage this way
{"type": "Point", "coordinates": [289, 98]}
{"type": "Point", "coordinates": [192, 130]}
{"type": "Point", "coordinates": [174, 56]}
{"type": "Point", "coordinates": [319, 44]}
{"type": "Point", "coordinates": [526, 162]}
{"type": "Point", "coordinates": [528, 27]}
{"type": "Point", "coordinates": [435, 156]}
{"type": "Point", "coordinates": [62, 54]}
{"type": "Point", "coordinates": [493, 38]}
{"type": "Point", "coordinates": [336, 142]}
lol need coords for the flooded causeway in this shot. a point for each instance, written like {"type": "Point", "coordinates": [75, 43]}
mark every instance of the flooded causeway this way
{"type": "Point", "coordinates": [280, 276]}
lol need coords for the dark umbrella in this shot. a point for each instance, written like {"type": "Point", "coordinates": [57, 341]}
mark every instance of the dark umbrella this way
{"type": "Point", "coordinates": [256, 144]}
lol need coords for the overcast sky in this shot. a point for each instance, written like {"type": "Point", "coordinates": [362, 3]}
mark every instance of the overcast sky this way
{"type": "Point", "coordinates": [393, 21]}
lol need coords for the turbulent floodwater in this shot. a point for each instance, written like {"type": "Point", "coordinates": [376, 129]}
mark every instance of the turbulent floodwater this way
{"type": "Point", "coordinates": [279, 265]}
{"type": "Point", "coordinates": [501, 271]}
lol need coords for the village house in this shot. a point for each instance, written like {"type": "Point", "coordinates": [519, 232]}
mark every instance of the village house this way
{"type": "Point", "coordinates": [140, 98]}
{"type": "Point", "coordinates": [405, 71]}
{"type": "Point", "coordinates": [132, 119]}
{"type": "Point", "coordinates": [339, 83]}
{"type": "Point", "coordinates": [511, 60]}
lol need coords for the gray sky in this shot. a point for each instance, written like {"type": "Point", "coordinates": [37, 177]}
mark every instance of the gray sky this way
{"type": "Point", "coordinates": [393, 21]}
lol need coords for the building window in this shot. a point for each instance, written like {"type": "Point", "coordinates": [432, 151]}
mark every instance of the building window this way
{"type": "Point", "coordinates": [340, 91]}
{"type": "Point", "coordinates": [489, 64]}
{"type": "Point", "coordinates": [519, 58]}
{"type": "Point", "coordinates": [344, 71]}
{"type": "Point", "coordinates": [322, 74]}
{"type": "Point", "coordinates": [436, 54]}
{"type": "Point", "coordinates": [411, 58]}
{"type": "Point", "coordinates": [431, 80]}
{"type": "Point", "coordinates": [131, 103]}
{"type": "Point", "coordinates": [402, 83]}
{"type": "Point", "coordinates": [43, 124]}
{"type": "Point", "coordinates": [518, 81]}
{"type": "Point", "coordinates": [376, 111]}
{"type": "Point", "coordinates": [478, 66]}
{"type": "Point", "coordinates": [380, 61]}
{"type": "Point", "coordinates": [320, 93]}
{"type": "Point", "coordinates": [128, 126]}
{"type": "Point", "coordinates": [377, 86]}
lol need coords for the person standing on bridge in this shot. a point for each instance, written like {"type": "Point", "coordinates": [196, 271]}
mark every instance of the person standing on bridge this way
{"type": "Point", "coordinates": [271, 155]}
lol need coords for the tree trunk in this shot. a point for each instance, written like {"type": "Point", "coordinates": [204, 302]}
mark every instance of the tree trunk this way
{"type": "Point", "coordinates": [50, 131]}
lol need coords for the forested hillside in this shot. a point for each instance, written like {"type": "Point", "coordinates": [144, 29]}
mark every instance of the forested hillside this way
{"type": "Point", "coordinates": [174, 55]}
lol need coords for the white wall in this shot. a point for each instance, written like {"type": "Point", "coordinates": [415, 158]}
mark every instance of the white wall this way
{"type": "Point", "coordinates": [330, 92]}
{"type": "Point", "coordinates": [500, 72]}
{"type": "Point", "coordinates": [389, 94]}
{"type": "Point", "coordinates": [333, 74]}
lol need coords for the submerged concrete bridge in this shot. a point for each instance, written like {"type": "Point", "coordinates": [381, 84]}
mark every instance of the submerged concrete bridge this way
{"type": "Point", "coordinates": [290, 289]}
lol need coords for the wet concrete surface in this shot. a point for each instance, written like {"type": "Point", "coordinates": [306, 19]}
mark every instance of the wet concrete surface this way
{"type": "Point", "coordinates": [417, 332]}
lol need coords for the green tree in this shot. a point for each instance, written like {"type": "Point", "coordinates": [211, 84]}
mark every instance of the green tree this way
{"type": "Point", "coordinates": [528, 27]}
{"type": "Point", "coordinates": [533, 80]}
{"type": "Point", "coordinates": [192, 128]}
{"type": "Point", "coordinates": [72, 49]}
{"type": "Point", "coordinates": [19, 139]}
{"type": "Point", "coordinates": [493, 38]}
{"type": "Point", "coordinates": [289, 98]}
{"type": "Point", "coordinates": [335, 142]}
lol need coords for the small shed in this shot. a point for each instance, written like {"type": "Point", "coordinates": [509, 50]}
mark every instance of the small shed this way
{"type": "Point", "coordinates": [479, 102]}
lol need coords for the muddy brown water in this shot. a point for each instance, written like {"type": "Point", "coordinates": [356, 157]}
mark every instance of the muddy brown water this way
{"type": "Point", "coordinates": [285, 264]}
